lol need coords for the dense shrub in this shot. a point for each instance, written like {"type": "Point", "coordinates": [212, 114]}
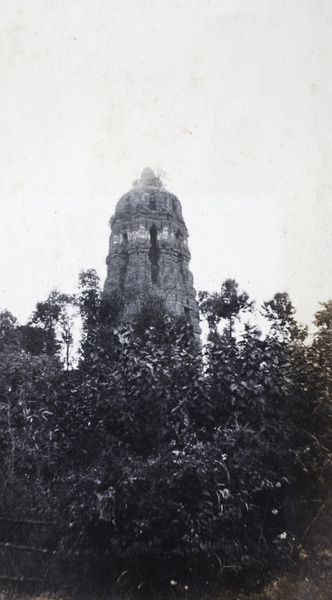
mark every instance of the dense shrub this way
{"type": "Point", "coordinates": [161, 460]}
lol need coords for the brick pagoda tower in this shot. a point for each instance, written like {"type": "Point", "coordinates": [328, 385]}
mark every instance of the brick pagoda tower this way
{"type": "Point", "coordinates": [148, 250]}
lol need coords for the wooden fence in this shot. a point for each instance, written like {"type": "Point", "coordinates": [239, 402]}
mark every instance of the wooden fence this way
{"type": "Point", "coordinates": [27, 551]}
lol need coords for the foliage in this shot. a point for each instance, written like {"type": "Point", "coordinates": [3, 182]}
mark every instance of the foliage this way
{"type": "Point", "coordinates": [159, 461]}
{"type": "Point", "coordinates": [99, 313]}
{"type": "Point", "coordinates": [28, 391]}
{"type": "Point", "coordinates": [280, 313]}
{"type": "Point", "coordinates": [9, 334]}
{"type": "Point", "coordinates": [321, 378]}
{"type": "Point", "coordinates": [228, 304]}
{"type": "Point", "coordinates": [50, 327]}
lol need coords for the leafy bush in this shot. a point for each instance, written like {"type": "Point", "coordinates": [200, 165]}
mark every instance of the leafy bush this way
{"type": "Point", "coordinates": [163, 461]}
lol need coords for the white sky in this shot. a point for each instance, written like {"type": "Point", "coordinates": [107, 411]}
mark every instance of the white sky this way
{"type": "Point", "coordinates": [231, 98]}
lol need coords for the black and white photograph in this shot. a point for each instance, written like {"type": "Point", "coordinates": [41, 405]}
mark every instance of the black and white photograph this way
{"type": "Point", "coordinates": [165, 300]}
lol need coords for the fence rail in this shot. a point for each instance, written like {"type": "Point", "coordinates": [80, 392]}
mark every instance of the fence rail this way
{"type": "Point", "coordinates": [22, 560]}
{"type": "Point", "coordinates": [11, 546]}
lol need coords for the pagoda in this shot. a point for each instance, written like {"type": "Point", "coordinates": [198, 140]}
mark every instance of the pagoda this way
{"type": "Point", "coordinates": [148, 251]}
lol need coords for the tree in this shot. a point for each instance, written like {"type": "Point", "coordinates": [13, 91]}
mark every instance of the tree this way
{"type": "Point", "coordinates": [29, 387]}
{"type": "Point", "coordinates": [99, 314]}
{"type": "Point", "coordinates": [259, 387]}
{"type": "Point", "coordinates": [186, 470]}
{"type": "Point", "coordinates": [53, 319]}
{"type": "Point", "coordinates": [228, 305]}
{"type": "Point", "coordinates": [279, 311]}
{"type": "Point", "coordinates": [321, 374]}
{"type": "Point", "coordinates": [9, 331]}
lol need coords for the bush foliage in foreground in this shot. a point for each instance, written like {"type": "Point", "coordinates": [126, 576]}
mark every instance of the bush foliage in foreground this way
{"type": "Point", "coordinates": [159, 461]}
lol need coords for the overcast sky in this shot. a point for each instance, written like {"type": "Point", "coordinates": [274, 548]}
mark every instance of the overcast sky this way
{"type": "Point", "coordinates": [232, 99]}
